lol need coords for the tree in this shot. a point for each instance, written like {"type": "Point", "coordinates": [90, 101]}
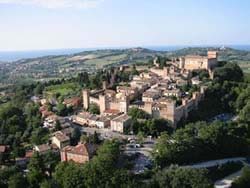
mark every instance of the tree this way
{"type": "Point", "coordinates": [36, 169]}
{"type": "Point", "coordinates": [40, 136]}
{"type": "Point", "coordinates": [94, 109]}
{"type": "Point", "coordinates": [137, 113]}
{"type": "Point", "coordinates": [17, 181]}
{"type": "Point", "coordinates": [61, 109]}
{"type": "Point", "coordinates": [140, 137]}
{"type": "Point", "coordinates": [245, 114]}
{"type": "Point", "coordinates": [176, 177]}
{"type": "Point", "coordinates": [242, 99]}
{"type": "Point", "coordinates": [69, 175]}
{"type": "Point", "coordinates": [58, 126]}
{"type": "Point", "coordinates": [229, 72]}
{"type": "Point", "coordinates": [75, 136]}
{"type": "Point", "coordinates": [244, 180]}
{"type": "Point", "coordinates": [39, 89]}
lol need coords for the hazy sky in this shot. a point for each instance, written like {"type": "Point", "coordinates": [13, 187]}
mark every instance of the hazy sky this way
{"type": "Point", "coordinates": [54, 24]}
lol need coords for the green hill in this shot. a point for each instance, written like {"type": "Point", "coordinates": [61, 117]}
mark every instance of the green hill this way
{"type": "Point", "coordinates": [63, 66]}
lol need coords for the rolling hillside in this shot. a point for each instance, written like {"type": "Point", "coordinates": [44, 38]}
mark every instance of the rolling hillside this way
{"type": "Point", "coordinates": [52, 67]}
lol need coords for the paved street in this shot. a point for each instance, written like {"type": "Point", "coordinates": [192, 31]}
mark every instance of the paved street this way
{"type": "Point", "coordinates": [215, 162]}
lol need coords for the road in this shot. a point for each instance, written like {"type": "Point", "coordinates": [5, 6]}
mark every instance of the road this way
{"type": "Point", "coordinates": [227, 181]}
{"type": "Point", "coordinates": [215, 162]}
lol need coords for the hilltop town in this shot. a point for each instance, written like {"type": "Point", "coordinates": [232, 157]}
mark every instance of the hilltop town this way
{"type": "Point", "coordinates": [130, 118]}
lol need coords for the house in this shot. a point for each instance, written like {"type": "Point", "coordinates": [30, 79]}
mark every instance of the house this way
{"type": "Point", "coordinates": [87, 119]}
{"type": "Point", "coordinates": [75, 102]}
{"type": "Point", "coordinates": [80, 153]}
{"type": "Point", "coordinates": [42, 149]}
{"type": "Point", "coordinates": [120, 123]}
{"type": "Point", "coordinates": [68, 131]}
{"type": "Point", "coordinates": [4, 151]}
{"type": "Point", "coordinates": [22, 161]}
{"type": "Point", "coordinates": [60, 140]}
{"type": "Point", "coordinates": [82, 118]}
{"type": "Point", "coordinates": [99, 121]}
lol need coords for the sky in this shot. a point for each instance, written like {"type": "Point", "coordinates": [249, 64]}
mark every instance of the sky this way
{"type": "Point", "coordinates": [61, 24]}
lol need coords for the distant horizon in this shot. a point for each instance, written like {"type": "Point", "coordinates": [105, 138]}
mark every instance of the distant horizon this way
{"type": "Point", "coordinates": [10, 56]}
{"type": "Point", "coordinates": [132, 46]}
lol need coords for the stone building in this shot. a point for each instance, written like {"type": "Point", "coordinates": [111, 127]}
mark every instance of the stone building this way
{"type": "Point", "coordinates": [120, 123]}
{"type": "Point", "coordinates": [80, 153]}
{"type": "Point", "coordinates": [192, 62]}
{"type": "Point", "coordinates": [60, 140]}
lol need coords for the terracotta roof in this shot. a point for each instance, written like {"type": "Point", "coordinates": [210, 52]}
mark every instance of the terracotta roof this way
{"type": "Point", "coordinates": [112, 111]}
{"type": "Point", "coordinates": [121, 118]}
{"type": "Point", "coordinates": [43, 148]}
{"type": "Point", "coordinates": [61, 137]}
{"type": "Point", "coordinates": [74, 100]}
{"type": "Point", "coordinates": [80, 149]}
{"type": "Point", "coordinates": [2, 148]}
{"type": "Point", "coordinates": [28, 154]}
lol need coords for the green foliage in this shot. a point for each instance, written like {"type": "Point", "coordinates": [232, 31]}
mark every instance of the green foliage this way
{"type": "Point", "coordinates": [94, 109]}
{"type": "Point", "coordinates": [229, 72]}
{"type": "Point", "coordinates": [137, 113]}
{"type": "Point", "coordinates": [244, 115]}
{"type": "Point", "coordinates": [36, 169]}
{"type": "Point", "coordinates": [69, 175]}
{"type": "Point", "coordinates": [92, 139]}
{"type": "Point", "coordinates": [75, 136]}
{"type": "Point", "coordinates": [101, 171]}
{"type": "Point", "coordinates": [220, 171]}
{"type": "Point", "coordinates": [5, 174]}
{"type": "Point", "coordinates": [176, 177]}
{"type": "Point", "coordinates": [200, 142]}
{"type": "Point", "coordinates": [153, 127]}
{"type": "Point", "coordinates": [61, 109]}
{"type": "Point", "coordinates": [244, 180]}
{"type": "Point", "coordinates": [39, 89]}
{"type": "Point", "coordinates": [17, 181]}
{"type": "Point", "coordinates": [40, 136]}
{"type": "Point", "coordinates": [58, 126]}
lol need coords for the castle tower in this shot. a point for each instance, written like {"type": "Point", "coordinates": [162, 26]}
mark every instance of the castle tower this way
{"type": "Point", "coordinates": [212, 55]}
{"type": "Point", "coordinates": [102, 103]}
{"type": "Point", "coordinates": [124, 103]}
{"type": "Point", "coordinates": [182, 63]}
{"type": "Point", "coordinates": [104, 85]}
{"type": "Point", "coordinates": [171, 111]}
{"type": "Point", "coordinates": [148, 107]}
{"type": "Point", "coordinates": [85, 97]}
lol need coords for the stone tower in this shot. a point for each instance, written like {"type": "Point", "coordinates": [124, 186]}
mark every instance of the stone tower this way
{"type": "Point", "coordinates": [102, 103]}
{"type": "Point", "coordinates": [104, 85]}
{"type": "Point", "coordinates": [124, 103]}
{"type": "Point", "coordinates": [171, 111]}
{"type": "Point", "coordinates": [85, 97]}
{"type": "Point", "coordinates": [212, 55]}
{"type": "Point", "coordinates": [182, 63]}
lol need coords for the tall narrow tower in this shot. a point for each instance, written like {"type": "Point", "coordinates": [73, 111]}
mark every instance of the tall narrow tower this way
{"type": "Point", "coordinates": [124, 103]}
{"type": "Point", "coordinates": [103, 103]}
{"type": "Point", "coordinates": [85, 97]}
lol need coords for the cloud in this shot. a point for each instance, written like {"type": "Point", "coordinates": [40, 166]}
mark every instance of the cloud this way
{"type": "Point", "coordinates": [55, 4]}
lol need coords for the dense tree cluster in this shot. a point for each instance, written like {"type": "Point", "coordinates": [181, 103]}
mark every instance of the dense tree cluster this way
{"type": "Point", "coordinates": [201, 141]}
{"type": "Point", "coordinates": [244, 180]}
{"type": "Point", "coordinates": [176, 177]}
{"type": "Point", "coordinates": [222, 94]}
